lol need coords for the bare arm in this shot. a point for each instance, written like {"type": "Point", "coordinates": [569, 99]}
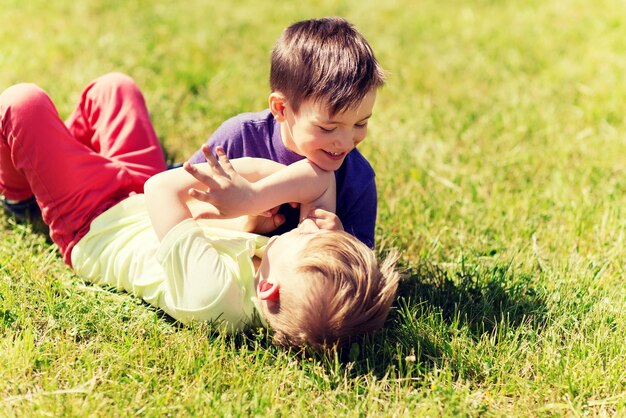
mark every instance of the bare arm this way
{"type": "Point", "coordinates": [253, 169]}
{"type": "Point", "coordinates": [230, 194]}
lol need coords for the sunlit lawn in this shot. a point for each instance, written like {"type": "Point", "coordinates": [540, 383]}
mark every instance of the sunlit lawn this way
{"type": "Point", "coordinates": [499, 144]}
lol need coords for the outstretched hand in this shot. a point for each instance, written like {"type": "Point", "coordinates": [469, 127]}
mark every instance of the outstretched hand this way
{"type": "Point", "coordinates": [230, 194]}
{"type": "Point", "coordinates": [227, 192]}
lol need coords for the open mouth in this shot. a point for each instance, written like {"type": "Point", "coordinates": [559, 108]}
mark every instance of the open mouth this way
{"type": "Point", "coordinates": [335, 155]}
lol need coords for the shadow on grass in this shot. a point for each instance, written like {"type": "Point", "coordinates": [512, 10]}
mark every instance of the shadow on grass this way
{"type": "Point", "coordinates": [435, 313]}
{"type": "Point", "coordinates": [34, 225]}
{"type": "Point", "coordinates": [480, 300]}
{"type": "Point", "coordinates": [433, 308]}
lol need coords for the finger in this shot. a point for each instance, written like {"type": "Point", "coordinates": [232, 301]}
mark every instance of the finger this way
{"type": "Point", "coordinates": [321, 213]}
{"type": "Point", "coordinates": [318, 221]}
{"type": "Point", "coordinates": [206, 149]}
{"type": "Point", "coordinates": [306, 214]}
{"type": "Point", "coordinates": [324, 223]}
{"type": "Point", "coordinates": [208, 155]}
{"type": "Point", "coordinates": [278, 220]}
{"type": "Point", "coordinates": [211, 160]}
{"type": "Point", "coordinates": [325, 219]}
{"type": "Point", "coordinates": [199, 175]}
{"type": "Point", "coordinates": [315, 214]}
{"type": "Point", "coordinates": [270, 212]}
{"type": "Point", "coordinates": [224, 161]}
{"type": "Point", "coordinates": [200, 195]}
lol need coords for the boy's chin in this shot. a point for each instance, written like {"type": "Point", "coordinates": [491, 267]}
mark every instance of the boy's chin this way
{"type": "Point", "coordinates": [327, 164]}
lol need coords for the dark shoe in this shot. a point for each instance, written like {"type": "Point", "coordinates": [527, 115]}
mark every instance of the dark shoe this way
{"type": "Point", "coordinates": [24, 210]}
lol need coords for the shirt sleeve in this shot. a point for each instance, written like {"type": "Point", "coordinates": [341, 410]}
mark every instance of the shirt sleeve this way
{"type": "Point", "coordinates": [201, 282]}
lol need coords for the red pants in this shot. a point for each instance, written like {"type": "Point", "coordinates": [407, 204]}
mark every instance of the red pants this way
{"type": "Point", "coordinates": [105, 151]}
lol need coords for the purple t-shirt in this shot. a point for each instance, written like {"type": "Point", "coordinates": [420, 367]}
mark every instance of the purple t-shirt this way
{"type": "Point", "coordinates": [258, 135]}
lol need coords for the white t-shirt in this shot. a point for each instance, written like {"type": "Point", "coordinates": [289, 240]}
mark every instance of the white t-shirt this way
{"type": "Point", "coordinates": [196, 273]}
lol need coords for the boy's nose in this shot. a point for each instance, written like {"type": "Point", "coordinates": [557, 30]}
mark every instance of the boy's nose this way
{"type": "Point", "coordinates": [345, 143]}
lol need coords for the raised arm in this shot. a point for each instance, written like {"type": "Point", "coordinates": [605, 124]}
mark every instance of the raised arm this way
{"type": "Point", "coordinates": [229, 193]}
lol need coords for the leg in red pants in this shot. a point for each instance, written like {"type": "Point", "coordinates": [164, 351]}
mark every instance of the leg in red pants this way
{"type": "Point", "coordinates": [105, 153]}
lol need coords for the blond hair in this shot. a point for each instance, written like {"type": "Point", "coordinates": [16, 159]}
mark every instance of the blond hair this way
{"type": "Point", "coordinates": [348, 295]}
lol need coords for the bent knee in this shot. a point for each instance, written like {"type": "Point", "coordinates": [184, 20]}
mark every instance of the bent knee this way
{"type": "Point", "coordinates": [116, 81]}
{"type": "Point", "coordinates": [24, 96]}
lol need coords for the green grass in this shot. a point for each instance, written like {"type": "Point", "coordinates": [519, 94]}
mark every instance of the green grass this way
{"type": "Point", "coordinates": [499, 144]}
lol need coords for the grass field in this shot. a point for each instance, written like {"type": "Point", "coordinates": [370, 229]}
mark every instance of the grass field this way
{"type": "Point", "coordinates": [499, 144]}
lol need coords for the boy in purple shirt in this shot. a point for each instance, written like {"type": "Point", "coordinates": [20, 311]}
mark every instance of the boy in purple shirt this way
{"type": "Point", "coordinates": [323, 80]}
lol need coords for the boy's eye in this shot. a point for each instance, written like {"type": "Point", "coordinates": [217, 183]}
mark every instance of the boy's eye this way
{"type": "Point", "coordinates": [361, 125]}
{"type": "Point", "coordinates": [328, 130]}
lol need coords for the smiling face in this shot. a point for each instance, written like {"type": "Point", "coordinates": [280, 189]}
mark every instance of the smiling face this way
{"type": "Point", "coordinates": [323, 138]}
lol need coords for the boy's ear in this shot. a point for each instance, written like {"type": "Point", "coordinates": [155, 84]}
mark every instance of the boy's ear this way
{"type": "Point", "coordinates": [268, 291]}
{"type": "Point", "coordinates": [277, 106]}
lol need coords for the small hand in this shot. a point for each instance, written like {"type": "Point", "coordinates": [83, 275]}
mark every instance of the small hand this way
{"type": "Point", "coordinates": [324, 219]}
{"type": "Point", "coordinates": [227, 191]}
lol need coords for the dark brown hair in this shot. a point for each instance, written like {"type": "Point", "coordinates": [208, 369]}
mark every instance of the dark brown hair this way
{"type": "Point", "coordinates": [326, 60]}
